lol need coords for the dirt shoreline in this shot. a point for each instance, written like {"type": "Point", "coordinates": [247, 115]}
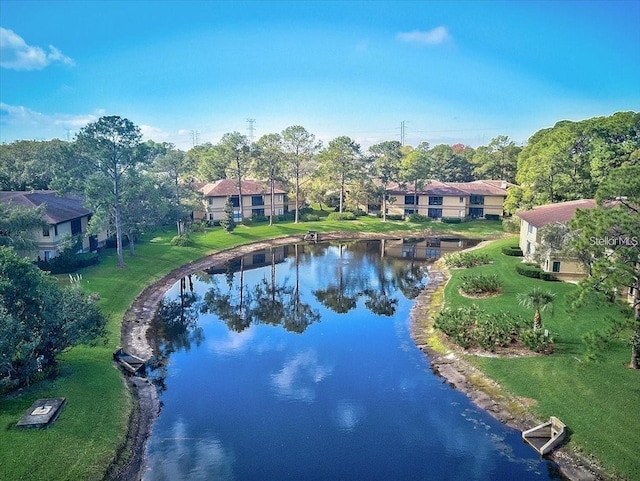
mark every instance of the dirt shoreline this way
{"type": "Point", "coordinates": [449, 364]}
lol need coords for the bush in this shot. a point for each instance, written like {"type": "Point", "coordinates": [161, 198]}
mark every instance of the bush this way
{"type": "Point", "coordinates": [285, 217]}
{"type": "Point", "coordinates": [480, 284]}
{"type": "Point", "coordinates": [513, 251]}
{"type": "Point", "coordinates": [452, 220]}
{"type": "Point", "coordinates": [474, 327]}
{"type": "Point", "coordinates": [183, 240]}
{"type": "Point", "coordinates": [395, 217]}
{"type": "Point", "coordinates": [310, 218]}
{"type": "Point", "coordinates": [511, 224]}
{"type": "Point", "coordinates": [66, 264]}
{"type": "Point", "coordinates": [341, 216]}
{"type": "Point", "coordinates": [492, 217]}
{"type": "Point", "coordinates": [418, 218]}
{"type": "Point", "coordinates": [548, 276]}
{"type": "Point", "coordinates": [199, 226]}
{"type": "Point", "coordinates": [358, 212]}
{"type": "Point", "coordinates": [529, 270]}
{"type": "Point", "coordinates": [466, 259]}
{"type": "Point", "coordinates": [256, 219]}
{"type": "Point", "coordinates": [537, 340]}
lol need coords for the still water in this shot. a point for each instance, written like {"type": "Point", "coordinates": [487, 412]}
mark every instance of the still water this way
{"type": "Point", "coordinates": [296, 364]}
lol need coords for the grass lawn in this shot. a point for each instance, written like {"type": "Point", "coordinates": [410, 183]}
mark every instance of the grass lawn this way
{"type": "Point", "coordinates": [599, 402]}
{"type": "Point", "coordinates": [82, 443]}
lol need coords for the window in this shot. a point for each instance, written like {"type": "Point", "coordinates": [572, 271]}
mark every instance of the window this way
{"type": "Point", "coordinates": [461, 199]}
{"type": "Point", "coordinates": [257, 200]}
{"type": "Point", "coordinates": [434, 242]}
{"type": "Point", "coordinates": [410, 211]}
{"type": "Point", "coordinates": [432, 253]}
{"type": "Point", "coordinates": [45, 231]}
{"type": "Point", "coordinates": [237, 216]}
{"type": "Point", "coordinates": [476, 199]}
{"type": "Point", "coordinates": [529, 229]}
{"type": "Point", "coordinates": [210, 200]}
{"type": "Point", "coordinates": [257, 212]}
{"type": "Point", "coordinates": [55, 230]}
{"type": "Point", "coordinates": [235, 201]}
{"type": "Point", "coordinates": [279, 198]}
{"type": "Point", "coordinates": [434, 213]}
{"type": "Point", "coordinates": [76, 226]}
{"type": "Point", "coordinates": [435, 200]}
{"type": "Point", "coordinates": [259, 258]}
{"type": "Point", "coordinates": [210, 216]}
{"type": "Point", "coordinates": [556, 266]}
{"type": "Point", "coordinates": [410, 199]}
{"type": "Point", "coordinates": [47, 255]}
{"type": "Point", "coordinates": [476, 212]}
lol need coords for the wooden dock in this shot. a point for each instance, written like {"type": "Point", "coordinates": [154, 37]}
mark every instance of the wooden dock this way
{"type": "Point", "coordinates": [547, 436]}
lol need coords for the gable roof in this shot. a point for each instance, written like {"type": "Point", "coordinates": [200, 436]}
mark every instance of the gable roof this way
{"type": "Point", "coordinates": [483, 187]}
{"type": "Point", "coordinates": [58, 209]}
{"type": "Point", "coordinates": [228, 187]}
{"type": "Point", "coordinates": [435, 187]}
{"type": "Point", "coordinates": [561, 212]}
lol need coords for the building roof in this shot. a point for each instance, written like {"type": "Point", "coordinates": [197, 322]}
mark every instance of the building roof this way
{"type": "Point", "coordinates": [228, 187]}
{"type": "Point", "coordinates": [561, 212]}
{"type": "Point", "coordinates": [484, 187]}
{"type": "Point", "coordinates": [435, 187]}
{"type": "Point", "coordinates": [58, 208]}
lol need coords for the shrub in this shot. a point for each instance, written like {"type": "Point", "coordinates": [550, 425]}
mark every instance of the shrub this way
{"type": "Point", "coordinates": [480, 284]}
{"type": "Point", "coordinates": [492, 217]}
{"type": "Point", "coordinates": [199, 226]}
{"type": "Point", "coordinates": [418, 218]}
{"type": "Point", "coordinates": [466, 259]}
{"type": "Point", "coordinates": [511, 224]}
{"type": "Point", "coordinates": [341, 216]}
{"type": "Point", "coordinates": [537, 340]}
{"type": "Point", "coordinates": [183, 240]}
{"type": "Point", "coordinates": [548, 276]}
{"type": "Point", "coordinates": [529, 270]}
{"type": "Point", "coordinates": [285, 217]}
{"type": "Point", "coordinates": [395, 217]}
{"type": "Point", "coordinates": [513, 251]}
{"type": "Point", "coordinates": [310, 218]}
{"type": "Point", "coordinates": [452, 220]}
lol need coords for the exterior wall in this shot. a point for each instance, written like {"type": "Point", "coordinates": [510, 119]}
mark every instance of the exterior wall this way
{"type": "Point", "coordinates": [214, 207]}
{"type": "Point", "coordinates": [528, 238]}
{"type": "Point", "coordinates": [493, 205]}
{"type": "Point", "coordinates": [48, 245]}
{"type": "Point", "coordinates": [570, 269]}
{"type": "Point", "coordinates": [452, 205]}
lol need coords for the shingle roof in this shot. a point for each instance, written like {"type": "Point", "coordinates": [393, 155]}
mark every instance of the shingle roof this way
{"type": "Point", "coordinates": [561, 212]}
{"type": "Point", "coordinates": [227, 187]}
{"type": "Point", "coordinates": [434, 187]}
{"type": "Point", "coordinates": [58, 209]}
{"type": "Point", "coordinates": [483, 187]}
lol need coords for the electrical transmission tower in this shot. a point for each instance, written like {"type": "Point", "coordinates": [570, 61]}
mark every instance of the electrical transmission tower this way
{"type": "Point", "coordinates": [195, 137]}
{"type": "Point", "coordinates": [251, 128]}
{"type": "Point", "coordinates": [402, 132]}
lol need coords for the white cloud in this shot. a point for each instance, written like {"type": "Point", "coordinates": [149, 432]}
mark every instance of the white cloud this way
{"type": "Point", "coordinates": [300, 376]}
{"type": "Point", "coordinates": [48, 126]}
{"type": "Point", "coordinates": [17, 55]}
{"type": "Point", "coordinates": [435, 36]}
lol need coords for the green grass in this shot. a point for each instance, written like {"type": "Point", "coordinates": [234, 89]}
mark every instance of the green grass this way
{"type": "Point", "coordinates": [82, 443]}
{"type": "Point", "coordinates": [598, 401]}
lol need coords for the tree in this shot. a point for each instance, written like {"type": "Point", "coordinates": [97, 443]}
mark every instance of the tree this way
{"type": "Point", "coordinates": [498, 160]}
{"type": "Point", "coordinates": [235, 150]}
{"type": "Point", "coordinates": [18, 224]}
{"type": "Point", "coordinates": [108, 149]}
{"type": "Point", "coordinates": [609, 237]}
{"type": "Point", "coordinates": [341, 159]}
{"type": "Point", "coordinates": [38, 320]}
{"type": "Point", "coordinates": [227, 222]}
{"type": "Point", "coordinates": [416, 168]}
{"type": "Point", "coordinates": [268, 164]}
{"type": "Point", "coordinates": [208, 162]}
{"type": "Point", "coordinates": [449, 165]}
{"type": "Point", "coordinates": [538, 300]}
{"type": "Point", "coordinates": [300, 148]}
{"type": "Point", "coordinates": [387, 158]}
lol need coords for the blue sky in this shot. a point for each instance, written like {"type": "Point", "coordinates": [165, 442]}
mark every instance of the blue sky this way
{"type": "Point", "coordinates": [452, 71]}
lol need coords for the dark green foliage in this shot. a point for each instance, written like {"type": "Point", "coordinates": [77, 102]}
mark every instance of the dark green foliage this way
{"type": "Point", "coordinates": [395, 217]}
{"type": "Point", "coordinates": [341, 216]}
{"type": "Point", "coordinates": [310, 218]}
{"type": "Point", "coordinates": [513, 251]}
{"type": "Point", "coordinates": [256, 219]}
{"type": "Point", "coordinates": [358, 212]}
{"type": "Point", "coordinates": [183, 240]}
{"type": "Point", "coordinates": [511, 224]}
{"type": "Point", "coordinates": [476, 284]}
{"type": "Point", "coordinates": [471, 326]}
{"type": "Point", "coordinates": [227, 222]}
{"type": "Point", "coordinates": [38, 320]}
{"type": "Point", "coordinates": [418, 218]}
{"type": "Point", "coordinates": [529, 270]}
{"type": "Point", "coordinates": [548, 276]}
{"type": "Point", "coordinates": [492, 217]}
{"type": "Point", "coordinates": [452, 220]}
{"type": "Point", "coordinates": [68, 264]}
{"type": "Point", "coordinates": [466, 259]}
{"type": "Point", "coordinates": [199, 226]}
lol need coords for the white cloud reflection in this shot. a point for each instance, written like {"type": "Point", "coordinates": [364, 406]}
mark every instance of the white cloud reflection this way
{"type": "Point", "coordinates": [299, 377]}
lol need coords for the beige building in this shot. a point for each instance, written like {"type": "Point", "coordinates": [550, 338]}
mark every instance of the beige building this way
{"type": "Point", "coordinates": [64, 215]}
{"type": "Point", "coordinates": [479, 199]}
{"type": "Point", "coordinates": [256, 200]}
{"type": "Point", "coordinates": [532, 221]}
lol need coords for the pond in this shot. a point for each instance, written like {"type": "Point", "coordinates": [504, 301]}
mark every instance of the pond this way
{"type": "Point", "coordinates": [296, 363]}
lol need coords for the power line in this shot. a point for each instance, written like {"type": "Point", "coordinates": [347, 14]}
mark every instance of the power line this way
{"type": "Point", "coordinates": [195, 137]}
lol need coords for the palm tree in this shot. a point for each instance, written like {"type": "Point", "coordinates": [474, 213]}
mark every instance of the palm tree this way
{"type": "Point", "coordinates": [540, 301]}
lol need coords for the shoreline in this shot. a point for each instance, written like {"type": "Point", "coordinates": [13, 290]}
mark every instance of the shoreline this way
{"type": "Point", "coordinates": [446, 363]}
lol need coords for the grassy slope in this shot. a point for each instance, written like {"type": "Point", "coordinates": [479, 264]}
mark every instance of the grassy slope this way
{"type": "Point", "coordinates": [81, 444]}
{"type": "Point", "coordinates": [598, 401]}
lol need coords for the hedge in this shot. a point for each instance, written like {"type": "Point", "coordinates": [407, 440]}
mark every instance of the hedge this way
{"type": "Point", "coordinates": [513, 251]}
{"type": "Point", "coordinates": [452, 220]}
{"type": "Point", "coordinates": [418, 218]}
{"type": "Point", "coordinates": [492, 217]}
{"type": "Point", "coordinates": [341, 216]}
{"type": "Point", "coordinates": [529, 270]}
